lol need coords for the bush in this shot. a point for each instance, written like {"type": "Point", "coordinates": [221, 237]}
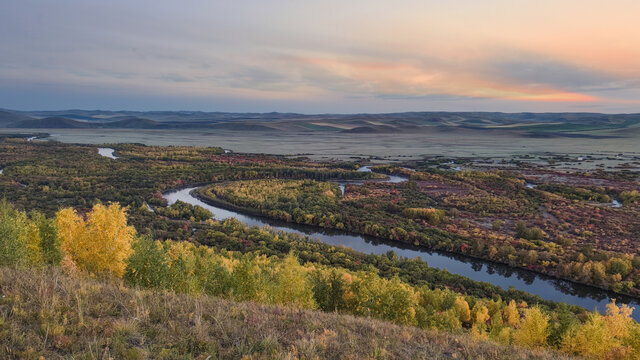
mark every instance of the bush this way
{"type": "Point", "coordinates": [433, 216]}
{"type": "Point", "coordinates": [523, 232]}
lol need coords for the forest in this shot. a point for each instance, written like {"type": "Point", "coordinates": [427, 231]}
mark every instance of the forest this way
{"type": "Point", "coordinates": [562, 230]}
{"type": "Point", "coordinates": [67, 207]}
{"type": "Point", "coordinates": [102, 243]}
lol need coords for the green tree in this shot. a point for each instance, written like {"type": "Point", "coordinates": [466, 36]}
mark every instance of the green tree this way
{"type": "Point", "coordinates": [213, 277]}
{"type": "Point", "coordinates": [49, 241]}
{"type": "Point", "coordinates": [13, 235]}
{"type": "Point", "coordinates": [245, 280]}
{"type": "Point", "coordinates": [148, 265]}
{"type": "Point", "coordinates": [619, 266]}
{"type": "Point", "coordinates": [329, 289]}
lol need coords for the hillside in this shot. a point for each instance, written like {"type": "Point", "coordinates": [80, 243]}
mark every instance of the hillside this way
{"type": "Point", "coordinates": [132, 123]}
{"type": "Point", "coordinates": [531, 124]}
{"type": "Point", "coordinates": [50, 123]}
{"type": "Point", "coordinates": [7, 117]}
{"type": "Point", "coordinates": [51, 314]}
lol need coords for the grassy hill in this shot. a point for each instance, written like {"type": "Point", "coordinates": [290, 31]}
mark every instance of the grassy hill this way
{"type": "Point", "coordinates": [45, 313]}
{"type": "Point", "coordinates": [7, 118]}
{"type": "Point", "coordinates": [539, 124]}
{"type": "Point", "coordinates": [132, 123]}
{"type": "Point", "coordinates": [50, 123]}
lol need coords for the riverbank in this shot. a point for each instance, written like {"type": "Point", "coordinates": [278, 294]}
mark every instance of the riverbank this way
{"type": "Point", "coordinates": [502, 276]}
{"type": "Point", "coordinates": [222, 203]}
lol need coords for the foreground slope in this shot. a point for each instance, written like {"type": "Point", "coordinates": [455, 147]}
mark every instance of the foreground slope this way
{"type": "Point", "coordinates": [51, 314]}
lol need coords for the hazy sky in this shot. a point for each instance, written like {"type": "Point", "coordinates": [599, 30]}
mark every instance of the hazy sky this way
{"type": "Point", "coordinates": [321, 56]}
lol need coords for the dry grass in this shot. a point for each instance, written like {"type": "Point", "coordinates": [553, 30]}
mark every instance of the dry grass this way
{"type": "Point", "coordinates": [49, 314]}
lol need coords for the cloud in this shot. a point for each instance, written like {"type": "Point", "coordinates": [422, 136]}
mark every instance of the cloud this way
{"type": "Point", "coordinates": [534, 70]}
{"type": "Point", "coordinates": [423, 80]}
{"type": "Point", "coordinates": [175, 78]}
{"type": "Point", "coordinates": [359, 55]}
{"type": "Point", "coordinates": [433, 97]}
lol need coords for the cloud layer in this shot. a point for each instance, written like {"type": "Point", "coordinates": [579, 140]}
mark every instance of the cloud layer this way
{"type": "Point", "coordinates": [321, 56]}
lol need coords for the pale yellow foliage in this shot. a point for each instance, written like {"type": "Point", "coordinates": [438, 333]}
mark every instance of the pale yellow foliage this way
{"type": "Point", "coordinates": [533, 331]}
{"type": "Point", "coordinates": [99, 244]}
{"type": "Point", "coordinates": [511, 315]}
{"type": "Point", "coordinates": [618, 319]}
{"type": "Point", "coordinates": [68, 264]}
{"type": "Point", "coordinates": [480, 318]}
{"type": "Point", "coordinates": [504, 336]}
{"type": "Point", "coordinates": [291, 286]}
{"type": "Point", "coordinates": [481, 315]}
{"type": "Point", "coordinates": [591, 339]}
{"type": "Point", "coordinates": [604, 337]}
{"type": "Point", "coordinates": [462, 309]}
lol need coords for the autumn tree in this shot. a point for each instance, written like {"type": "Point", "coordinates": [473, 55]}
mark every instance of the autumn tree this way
{"type": "Point", "coordinates": [99, 244]}
{"type": "Point", "coordinates": [462, 309]}
{"type": "Point", "coordinates": [511, 315]}
{"type": "Point", "coordinates": [291, 286]}
{"type": "Point", "coordinates": [613, 336]}
{"type": "Point", "coordinates": [480, 316]}
{"type": "Point", "coordinates": [433, 216]}
{"type": "Point", "coordinates": [619, 319]}
{"type": "Point", "coordinates": [591, 339]}
{"type": "Point", "coordinates": [31, 233]}
{"type": "Point", "coordinates": [533, 330]}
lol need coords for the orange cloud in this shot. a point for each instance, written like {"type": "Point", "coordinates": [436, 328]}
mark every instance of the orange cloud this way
{"type": "Point", "coordinates": [385, 77]}
{"type": "Point", "coordinates": [560, 96]}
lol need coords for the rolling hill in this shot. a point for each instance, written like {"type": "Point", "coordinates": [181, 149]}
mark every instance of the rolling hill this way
{"type": "Point", "coordinates": [530, 124]}
{"type": "Point", "coordinates": [50, 123]}
{"type": "Point", "coordinates": [7, 118]}
{"type": "Point", "coordinates": [131, 123]}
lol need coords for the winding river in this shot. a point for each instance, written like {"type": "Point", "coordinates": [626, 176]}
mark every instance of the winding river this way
{"type": "Point", "coordinates": [498, 274]}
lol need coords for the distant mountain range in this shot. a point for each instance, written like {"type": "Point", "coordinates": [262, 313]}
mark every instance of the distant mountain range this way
{"type": "Point", "coordinates": [538, 124]}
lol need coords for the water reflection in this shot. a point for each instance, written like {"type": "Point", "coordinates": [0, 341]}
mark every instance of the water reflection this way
{"type": "Point", "coordinates": [479, 270]}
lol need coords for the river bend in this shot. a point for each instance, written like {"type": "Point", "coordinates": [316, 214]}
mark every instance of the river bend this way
{"type": "Point", "coordinates": [547, 287]}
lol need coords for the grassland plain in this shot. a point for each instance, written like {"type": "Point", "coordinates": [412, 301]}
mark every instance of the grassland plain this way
{"type": "Point", "coordinates": [448, 142]}
{"type": "Point", "coordinates": [46, 313]}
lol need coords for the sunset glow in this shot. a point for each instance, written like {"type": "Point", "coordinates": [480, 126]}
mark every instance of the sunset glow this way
{"type": "Point", "coordinates": [328, 56]}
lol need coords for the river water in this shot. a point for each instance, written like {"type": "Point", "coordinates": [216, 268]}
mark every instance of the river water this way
{"type": "Point", "coordinates": [107, 152]}
{"type": "Point", "coordinates": [497, 274]}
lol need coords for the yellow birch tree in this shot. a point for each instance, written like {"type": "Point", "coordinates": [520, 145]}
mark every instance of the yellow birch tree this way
{"type": "Point", "coordinates": [99, 244]}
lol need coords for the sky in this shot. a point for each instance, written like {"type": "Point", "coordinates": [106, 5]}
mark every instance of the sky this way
{"type": "Point", "coordinates": [324, 56]}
